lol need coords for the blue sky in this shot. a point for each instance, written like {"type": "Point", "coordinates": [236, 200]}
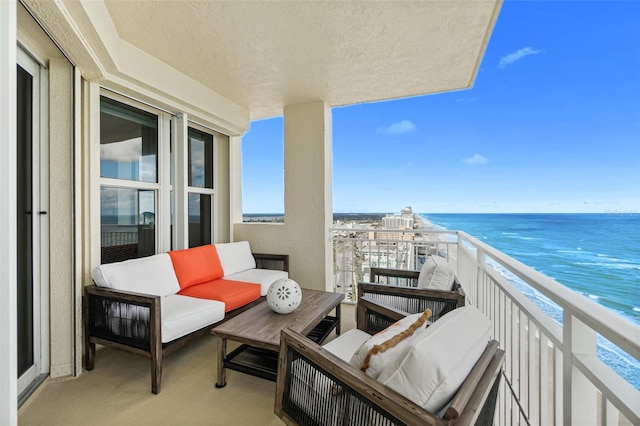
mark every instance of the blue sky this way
{"type": "Point", "coordinates": [552, 124]}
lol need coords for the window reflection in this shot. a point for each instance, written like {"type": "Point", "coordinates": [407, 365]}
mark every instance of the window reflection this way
{"type": "Point", "coordinates": [200, 159]}
{"type": "Point", "coordinates": [128, 142]}
{"type": "Point", "coordinates": [127, 219]}
{"type": "Point", "coordinates": [199, 219]}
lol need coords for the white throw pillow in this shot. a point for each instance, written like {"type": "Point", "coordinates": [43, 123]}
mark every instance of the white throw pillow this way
{"type": "Point", "coordinates": [436, 274]}
{"type": "Point", "coordinates": [235, 257]}
{"type": "Point", "coordinates": [440, 358]}
{"type": "Point", "coordinates": [378, 361]}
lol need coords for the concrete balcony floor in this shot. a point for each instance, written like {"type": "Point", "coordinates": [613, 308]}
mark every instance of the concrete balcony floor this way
{"type": "Point", "coordinates": [118, 391]}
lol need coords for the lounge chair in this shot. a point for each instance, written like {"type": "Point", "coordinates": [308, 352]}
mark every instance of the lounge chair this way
{"type": "Point", "coordinates": [317, 386]}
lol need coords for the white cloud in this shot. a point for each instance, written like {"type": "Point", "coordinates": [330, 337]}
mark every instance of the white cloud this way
{"type": "Point", "coordinates": [404, 126]}
{"type": "Point", "coordinates": [474, 160]}
{"type": "Point", "coordinates": [124, 152]}
{"type": "Point", "coordinates": [518, 54]}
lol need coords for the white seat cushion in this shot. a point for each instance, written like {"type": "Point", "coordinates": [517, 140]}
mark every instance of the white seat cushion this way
{"type": "Point", "coordinates": [235, 257]}
{"type": "Point", "coordinates": [436, 274]}
{"type": "Point", "coordinates": [345, 345]}
{"type": "Point", "coordinates": [149, 275]}
{"type": "Point", "coordinates": [378, 361]}
{"type": "Point", "coordinates": [264, 277]}
{"type": "Point", "coordinates": [182, 315]}
{"type": "Point", "coordinates": [439, 358]}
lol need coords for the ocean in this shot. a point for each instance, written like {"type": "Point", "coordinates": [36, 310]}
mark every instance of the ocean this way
{"type": "Point", "coordinates": [596, 255]}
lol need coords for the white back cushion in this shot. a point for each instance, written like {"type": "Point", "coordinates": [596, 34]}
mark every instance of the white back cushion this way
{"type": "Point", "coordinates": [436, 274]}
{"type": "Point", "coordinates": [264, 277]}
{"type": "Point", "coordinates": [235, 257]}
{"type": "Point", "coordinates": [149, 275]}
{"type": "Point", "coordinates": [440, 358]}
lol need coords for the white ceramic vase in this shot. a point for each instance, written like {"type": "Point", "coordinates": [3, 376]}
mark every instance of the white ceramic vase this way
{"type": "Point", "coordinates": [284, 296]}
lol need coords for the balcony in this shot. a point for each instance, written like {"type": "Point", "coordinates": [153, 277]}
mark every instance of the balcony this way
{"type": "Point", "coordinates": [554, 371]}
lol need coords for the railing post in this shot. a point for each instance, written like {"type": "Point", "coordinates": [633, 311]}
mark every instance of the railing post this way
{"type": "Point", "coordinates": [580, 400]}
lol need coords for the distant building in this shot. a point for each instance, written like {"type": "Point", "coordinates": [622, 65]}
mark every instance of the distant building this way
{"type": "Point", "coordinates": [405, 220]}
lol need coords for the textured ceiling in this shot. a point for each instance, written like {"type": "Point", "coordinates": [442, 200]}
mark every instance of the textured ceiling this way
{"type": "Point", "coordinates": [267, 54]}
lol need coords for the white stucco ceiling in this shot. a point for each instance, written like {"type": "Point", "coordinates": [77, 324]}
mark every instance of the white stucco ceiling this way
{"type": "Point", "coordinates": [267, 54]}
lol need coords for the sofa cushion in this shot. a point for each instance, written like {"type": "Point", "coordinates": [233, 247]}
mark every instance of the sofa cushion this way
{"type": "Point", "coordinates": [196, 265]}
{"type": "Point", "coordinates": [182, 315]}
{"type": "Point", "coordinates": [264, 277]}
{"type": "Point", "coordinates": [373, 355]}
{"type": "Point", "coordinates": [149, 275]}
{"type": "Point", "coordinates": [235, 257]}
{"type": "Point", "coordinates": [234, 294]}
{"type": "Point", "coordinates": [439, 358]}
{"type": "Point", "coordinates": [436, 274]}
{"type": "Point", "coordinates": [346, 344]}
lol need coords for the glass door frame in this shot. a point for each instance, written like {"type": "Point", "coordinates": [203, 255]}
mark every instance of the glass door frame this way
{"type": "Point", "coordinates": [40, 222]}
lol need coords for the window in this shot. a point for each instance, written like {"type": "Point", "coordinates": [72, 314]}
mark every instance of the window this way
{"type": "Point", "coordinates": [200, 187]}
{"type": "Point", "coordinates": [155, 194]}
{"type": "Point", "coordinates": [129, 172]}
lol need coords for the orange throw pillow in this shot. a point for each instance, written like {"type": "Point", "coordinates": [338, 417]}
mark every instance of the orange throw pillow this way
{"type": "Point", "coordinates": [196, 265]}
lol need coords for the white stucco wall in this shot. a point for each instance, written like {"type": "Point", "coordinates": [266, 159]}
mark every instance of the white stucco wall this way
{"type": "Point", "coordinates": [308, 201]}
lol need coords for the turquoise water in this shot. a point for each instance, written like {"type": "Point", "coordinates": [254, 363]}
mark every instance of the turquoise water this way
{"type": "Point", "coordinates": [597, 255]}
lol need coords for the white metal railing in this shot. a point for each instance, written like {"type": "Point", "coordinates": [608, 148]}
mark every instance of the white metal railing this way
{"type": "Point", "coordinates": [552, 373]}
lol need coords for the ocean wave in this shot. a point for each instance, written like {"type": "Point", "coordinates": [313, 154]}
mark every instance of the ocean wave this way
{"type": "Point", "coordinates": [635, 309]}
{"type": "Point", "coordinates": [594, 297]}
{"type": "Point", "coordinates": [610, 265]}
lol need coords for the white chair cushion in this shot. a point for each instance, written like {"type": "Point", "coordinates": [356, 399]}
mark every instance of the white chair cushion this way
{"type": "Point", "coordinates": [264, 277]}
{"type": "Point", "coordinates": [379, 361]}
{"type": "Point", "coordinates": [235, 257]}
{"type": "Point", "coordinates": [182, 315]}
{"type": "Point", "coordinates": [439, 359]}
{"type": "Point", "coordinates": [149, 275]}
{"type": "Point", "coordinates": [436, 274]}
{"type": "Point", "coordinates": [345, 345]}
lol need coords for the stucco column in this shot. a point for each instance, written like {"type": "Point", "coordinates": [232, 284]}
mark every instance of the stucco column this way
{"type": "Point", "coordinates": [307, 192]}
{"type": "Point", "coordinates": [304, 236]}
{"type": "Point", "coordinates": [65, 305]}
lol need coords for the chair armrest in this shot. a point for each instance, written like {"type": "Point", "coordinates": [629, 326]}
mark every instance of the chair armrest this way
{"type": "Point", "coordinates": [370, 312]}
{"type": "Point", "coordinates": [123, 317]}
{"type": "Point", "coordinates": [278, 262]}
{"type": "Point", "coordinates": [412, 300]}
{"type": "Point", "coordinates": [474, 392]}
{"type": "Point", "coordinates": [377, 288]}
{"type": "Point", "coordinates": [388, 272]}
{"type": "Point", "coordinates": [342, 391]}
{"type": "Point", "coordinates": [398, 277]}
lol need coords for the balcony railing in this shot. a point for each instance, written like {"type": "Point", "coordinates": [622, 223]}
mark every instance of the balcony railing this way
{"type": "Point", "coordinates": [553, 373]}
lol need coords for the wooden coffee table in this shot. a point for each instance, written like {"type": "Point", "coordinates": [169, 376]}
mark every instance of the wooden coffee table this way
{"type": "Point", "coordinates": [258, 329]}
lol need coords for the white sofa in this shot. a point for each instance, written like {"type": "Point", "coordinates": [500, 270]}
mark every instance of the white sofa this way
{"type": "Point", "coordinates": [142, 304]}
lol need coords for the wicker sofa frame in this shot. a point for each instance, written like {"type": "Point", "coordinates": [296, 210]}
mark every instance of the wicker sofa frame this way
{"type": "Point", "coordinates": [357, 399]}
{"type": "Point", "coordinates": [406, 297]}
{"type": "Point", "coordinates": [140, 332]}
